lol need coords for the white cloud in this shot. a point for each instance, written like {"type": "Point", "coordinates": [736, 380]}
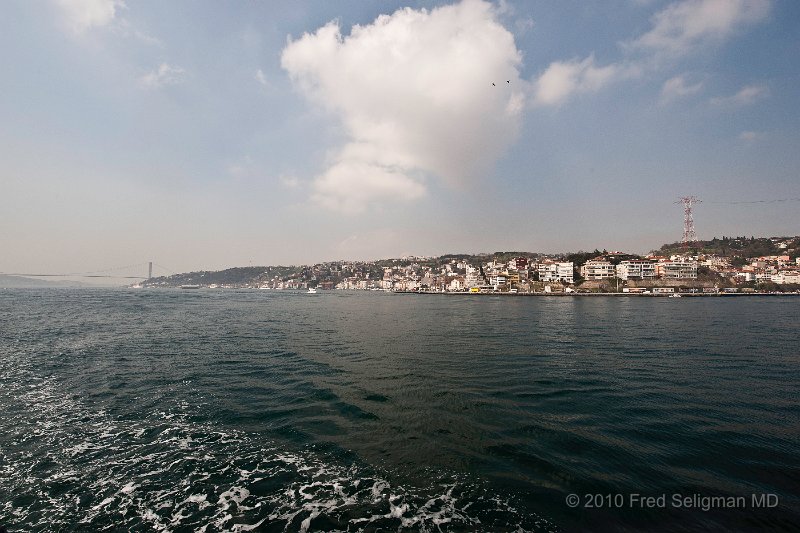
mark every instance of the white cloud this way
{"type": "Point", "coordinates": [562, 79]}
{"type": "Point", "coordinates": [261, 78]}
{"type": "Point", "coordinates": [164, 75]}
{"type": "Point", "coordinates": [677, 30]}
{"type": "Point", "coordinates": [82, 15]}
{"type": "Point", "coordinates": [414, 92]}
{"type": "Point", "coordinates": [682, 26]}
{"type": "Point", "coordinates": [677, 87]}
{"type": "Point", "coordinates": [126, 29]}
{"type": "Point", "coordinates": [750, 136]}
{"type": "Point", "coordinates": [351, 185]}
{"type": "Point", "coordinates": [524, 25]}
{"type": "Point", "coordinates": [747, 95]}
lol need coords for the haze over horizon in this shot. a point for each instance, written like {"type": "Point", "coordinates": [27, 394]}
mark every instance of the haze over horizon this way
{"type": "Point", "coordinates": [203, 136]}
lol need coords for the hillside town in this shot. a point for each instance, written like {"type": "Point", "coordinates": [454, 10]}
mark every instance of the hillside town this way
{"type": "Point", "coordinates": [671, 269]}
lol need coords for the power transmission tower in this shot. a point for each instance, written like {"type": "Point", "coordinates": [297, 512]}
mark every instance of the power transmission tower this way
{"type": "Point", "coordinates": [689, 235]}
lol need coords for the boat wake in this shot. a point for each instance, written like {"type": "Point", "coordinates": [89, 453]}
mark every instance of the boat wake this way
{"type": "Point", "coordinates": [66, 466]}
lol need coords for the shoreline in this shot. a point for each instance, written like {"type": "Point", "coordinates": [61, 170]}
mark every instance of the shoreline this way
{"type": "Point", "coordinates": [602, 294]}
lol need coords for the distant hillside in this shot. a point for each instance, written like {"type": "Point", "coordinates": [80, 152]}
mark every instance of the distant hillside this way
{"type": "Point", "coordinates": [739, 247]}
{"type": "Point", "coordinates": [19, 282]}
{"type": "Point", "coordinates": [230, 275]}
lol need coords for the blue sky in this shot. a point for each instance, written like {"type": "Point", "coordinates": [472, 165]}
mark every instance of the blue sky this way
{"type": "Point", "coordinates": [202, 135]}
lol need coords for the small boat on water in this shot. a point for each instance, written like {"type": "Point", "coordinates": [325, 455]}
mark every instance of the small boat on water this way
{"type": "Point", "coordinates": [676, 295]}
{"type": "Point", "coordinates": [190, 286]}
{"type": "Point", "coordinates": [312, 290]}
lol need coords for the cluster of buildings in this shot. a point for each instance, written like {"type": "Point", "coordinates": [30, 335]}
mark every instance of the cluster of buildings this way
{"type": "Point", "coordinates": [521, 274]}
{"type": "Point", "coordinates": [648, 269]}
{"type": "Point", "coordinates": [778, 269]}
{"type": "Point", "coordinates": [515, 272]}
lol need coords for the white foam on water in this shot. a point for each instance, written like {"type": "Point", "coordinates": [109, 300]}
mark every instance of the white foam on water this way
{"type": "Point", "coordinates": [165, 472]}
{"type": "Point", "coordinates": [79, 448]}
{"type": "Point", "coordinates": [197, 498]}
{"type": "Point", "coordinates": [247, 527]}
{"type": "Point", "coordinates": [151, 517]}
{"type": "Point", "coordinates": [305, 524]}
{"type": "Point", "coordinates": [234, 494]}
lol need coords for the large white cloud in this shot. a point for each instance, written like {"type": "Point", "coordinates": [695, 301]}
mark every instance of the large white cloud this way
{"type": "Point", "coordinates": [414, 93]}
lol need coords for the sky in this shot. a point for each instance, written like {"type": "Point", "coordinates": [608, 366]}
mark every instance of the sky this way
{"type": "Point", "coordinates": [206, 135]}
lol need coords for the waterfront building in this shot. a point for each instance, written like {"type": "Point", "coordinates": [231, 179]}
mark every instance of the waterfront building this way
{"type": "Point", "coordinates": [597, 269]}
{"type": "Point", "coordinates": [473, 278]}
{"type": "Point", "coordinates": [458, 283]}
{"type": "Point", "coordinates": [679, 269]}
{"type": "Point", "coordinates": [638, 269]}
{"type": "Point", "coordinates": [786, 276]}
{"type": "Point", "coordinates": [552, 271]}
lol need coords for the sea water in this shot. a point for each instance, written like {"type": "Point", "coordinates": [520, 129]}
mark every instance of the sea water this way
{"type": "Point", "coordinates": [235, 410]}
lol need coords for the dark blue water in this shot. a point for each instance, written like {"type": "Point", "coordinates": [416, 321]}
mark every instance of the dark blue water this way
{"type": "Point", "coordinates": [281, 411]}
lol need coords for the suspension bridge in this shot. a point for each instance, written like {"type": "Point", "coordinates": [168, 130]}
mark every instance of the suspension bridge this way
{"type": "Point", "coordinates": [122, 272]}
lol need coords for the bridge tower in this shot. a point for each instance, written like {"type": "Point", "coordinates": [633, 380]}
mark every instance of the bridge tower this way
{"type": "Point", "coordinates": [149, 270]}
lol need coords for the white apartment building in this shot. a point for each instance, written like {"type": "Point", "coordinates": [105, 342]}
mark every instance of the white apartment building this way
{"type": "Point", "coordinates": [786, 276]}
{"type": "Point", "coordinates": [473, 278]}
{"type": "Point", "coordinates": [638, 269]}
{"type": "Point", "coordinates": [556, 272]}
{"type": "Point", "coordinates": [678, 269]}
{"type": "Point", "coordinates": [406, 285]}
{"type": "Point", "coordinates": [498, 280]}
{"type": "Point", "coordinates": [596, 269]}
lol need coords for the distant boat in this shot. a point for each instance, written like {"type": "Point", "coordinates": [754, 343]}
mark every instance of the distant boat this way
{"type": "Point", "coordinates": [312, 290]}
{"type": "Point", "coordinates": [676, 295]}
{"type": "Point", "coordinates": [190, 286]}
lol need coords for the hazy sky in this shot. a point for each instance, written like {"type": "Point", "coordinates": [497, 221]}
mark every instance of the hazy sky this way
{"type": "Point", "coordinates": [202, 135]}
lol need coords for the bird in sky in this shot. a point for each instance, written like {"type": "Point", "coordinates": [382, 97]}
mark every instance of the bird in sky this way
{"type": "Point", "coordinates": [493, 85]}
